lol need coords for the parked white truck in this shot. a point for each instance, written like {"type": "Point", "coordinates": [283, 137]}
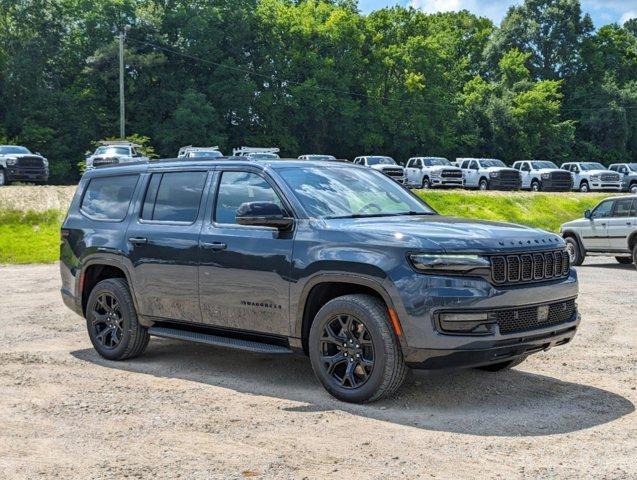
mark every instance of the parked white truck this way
{"type": "Point", "coordinates": [428, 172]}
{"type": "Point", "coordinates": [257, 153]}
{"type": "Point", "coordinates": [590, 176]}
{"type": "Point", "coordinates": [489, 174]}
{"type": "Point", "coordinates": [387, 165]}
{"type": "Point", "coordinates": [543, 175]}
{"type": "Point", "coordinates": [113, 153]}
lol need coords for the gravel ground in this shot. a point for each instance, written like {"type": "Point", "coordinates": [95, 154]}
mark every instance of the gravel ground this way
{"type": "Point", "coordinates": [189, 411]}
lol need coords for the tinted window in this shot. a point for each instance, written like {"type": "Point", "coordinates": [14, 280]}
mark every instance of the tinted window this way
{"type": "Point", "coordinates": [603, 209]}
{"type": "Point", "coordinates": [474, 165]}
{"type": "Point", "coordinates": [177, 197]}
{"type": "Point", "coordinates": [465, 164]}
{"type": "Point", "coordinates": [107, 198]}
{"type": "Point", "coordinates": [237, 188]}
{"type": "Point", "coordinates": [623, 208]}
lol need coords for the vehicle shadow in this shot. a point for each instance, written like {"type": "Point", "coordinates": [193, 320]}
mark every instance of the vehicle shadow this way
{"type": "Point", "coordinates": [612, 266]}
{"type": "Point", "coordinates": [513, 403]}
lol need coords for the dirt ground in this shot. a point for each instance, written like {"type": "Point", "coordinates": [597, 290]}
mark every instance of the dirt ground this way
{"type": "Point", "coordinates": [189, 411]}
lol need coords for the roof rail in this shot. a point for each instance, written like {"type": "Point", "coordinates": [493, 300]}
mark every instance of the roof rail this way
{"type": "Point", "coordinates": [247, 150]}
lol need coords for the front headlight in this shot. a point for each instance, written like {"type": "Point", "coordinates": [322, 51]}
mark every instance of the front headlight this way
{"type": "Point", "coordinates": [436, 174]}
{"type": "Point", "coordinates": [545, 176]}
{"type": "Point", "coordinates": [595, 177]}
{"type": "Point", "coordinates": [12, 161]}
{"type": "Point", "coordinates": [494, 174]}
{"type": "Point", "coordinates": [453, 263]}
{"type": "Point", "coordinates": [45, 162]}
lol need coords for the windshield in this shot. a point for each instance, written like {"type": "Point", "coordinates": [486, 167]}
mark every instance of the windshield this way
{"type": "Point", "coordinates": [341, 192]}
{"type": "Point", "coordinates": [492, 163]}
{"type": "Point", "coordinates": [632, 166]}
{"type": "Point", "coordinates": [431, 162]}
{"type": "Point", "coordinates": [12, 149]}
{"type": "Point", "coordinates": [205, 154]}
{"type": "Point", "coordinates": [543, 164]}
{"type": "Point", "coordinates": [112, 151]}
{"type": "Point", "coordinates": [592, 166]}
{"type": "Point", "coordinates": [380, 161]}
{"type": "Point", "coordinates": [263, 156]}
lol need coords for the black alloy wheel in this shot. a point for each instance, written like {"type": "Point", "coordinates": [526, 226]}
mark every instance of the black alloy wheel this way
{"type": "Point", "coordinates": [107, 321]}
{"type": "Point", "coordinates": [347, 351]}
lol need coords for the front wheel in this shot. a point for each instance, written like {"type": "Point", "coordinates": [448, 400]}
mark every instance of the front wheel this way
{"type": "Point", "coordinates": [3, 178]}
{"type": "Point", "coordinates": [354, 351]}
{"type": "Point", "coordinates": [584, 188]}
{"type": "Point", "coordinates": [575, 254]}
{"type": "Point", "coordinates": [536, 186]}
{"type": "Point", "coordinates": [484, 184]}
{"type": "Point", "coordinates": [633, 188]}
{"type": "Point", "coordinates": [426, 183]}
{"type": "Point", "coordinates": [112, 322]}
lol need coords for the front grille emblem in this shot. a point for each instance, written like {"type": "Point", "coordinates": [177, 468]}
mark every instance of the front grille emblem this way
{"type": "Point", "coordinates": [543, 313]}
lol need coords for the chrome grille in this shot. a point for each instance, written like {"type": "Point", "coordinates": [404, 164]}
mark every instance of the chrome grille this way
{"type": "Point", "coordinates": [393, 172]}
{"type": "Point", "coordinates": [529, 267]}
{"type": "Point", "coordinates": [100, 162]}
{"type": "Point", "coordinates": [609, 177]}
{"type": "Point", "coordinates": [451, 174]}
{"type": "Point", "coordinates": [30, 162]}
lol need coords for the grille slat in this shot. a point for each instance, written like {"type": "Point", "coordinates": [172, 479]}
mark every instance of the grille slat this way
{"type": "Point", "coordinates": [451, 174]}
{"type": "Point", "coordinates": [531, 318]}
{"type": "Point", "coordinates": [529, 267]}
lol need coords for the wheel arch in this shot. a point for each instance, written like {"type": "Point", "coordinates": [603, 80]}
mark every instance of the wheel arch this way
{"type": "Point", "coordinates": [97, 269]}
{"type": "Point", "coordinates": [324, 287]}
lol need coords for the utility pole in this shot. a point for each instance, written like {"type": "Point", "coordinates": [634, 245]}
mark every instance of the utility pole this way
{"type": "Point", "coordinates": [122, 129]}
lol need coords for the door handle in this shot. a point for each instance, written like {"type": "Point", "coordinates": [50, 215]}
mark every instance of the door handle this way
{"type": "Point", "coordinates": [214, 245]}
{"type": "Point", "coordinates": [138, 240]}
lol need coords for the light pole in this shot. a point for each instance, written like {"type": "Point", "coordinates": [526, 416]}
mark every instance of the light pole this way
{"type": "Point", "coordinates": [122, 128]}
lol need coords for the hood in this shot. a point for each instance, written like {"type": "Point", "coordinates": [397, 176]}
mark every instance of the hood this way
{"type": "Point", "coordinates": [599, 172]}
{"type": "Point", "coordinates": [385, 167]}
{"type": "Point", "coordinates": [548, 170]}
{"type": "Point", "coordinates": [20, 155]}
{"type": "Point", "coordinates": [437, 168]}
{"type": "Point", "coordinates": [500, 169]}
{"type": "Point", "coordinates": [449, 234]}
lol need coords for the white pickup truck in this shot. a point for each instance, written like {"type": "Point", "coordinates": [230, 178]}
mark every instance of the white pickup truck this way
{"type": "Point", "coordinates": [543, 175]}
{"type": "Point", "coordinates": [489, 174]}
{"type": "Point", "coordinates": [428, 172]}
{"type": "Point", "coordinates": [387, 165]}
{"type": "Point", "coordinates": [590, 176]}
{"type": "Point", "coordinates": [114, 153]}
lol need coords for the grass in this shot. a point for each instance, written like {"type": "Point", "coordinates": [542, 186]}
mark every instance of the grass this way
{"type": "Point", "coordinates": [33, 236]}
{"type": "Point", "coordinates": [29, 237]}
{"type": "Point", "coordinates": [542, 210]}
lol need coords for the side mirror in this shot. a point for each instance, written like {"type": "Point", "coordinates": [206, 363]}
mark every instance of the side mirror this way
{"type": "Point", "coordinates": [263, 214]}
{"type": "Point", "coordinates": [587, 214]}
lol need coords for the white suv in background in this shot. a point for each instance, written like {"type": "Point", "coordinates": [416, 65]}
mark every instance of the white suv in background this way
{"type": "Point", "coordinates": [115, 152]}
{"type": "Point", "coordinates": [387, 165]}
{"type": "Point", "coordinates": [427, 172]}
{"type": "Point", "coordinates": [543, 175]}
{"type": "Point", "coordinates": [609, 229]}
{"type": "Point", "coordinates": [488, 174]}
{"type": "Point", "coordinates": [588, 176]}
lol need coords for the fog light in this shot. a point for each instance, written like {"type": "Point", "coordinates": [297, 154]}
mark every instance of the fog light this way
{"type": "Point", "coordinates": [472, 323]}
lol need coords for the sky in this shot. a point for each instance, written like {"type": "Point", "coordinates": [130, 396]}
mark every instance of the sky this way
{"type": "Point", "coordinates": [601, 11]}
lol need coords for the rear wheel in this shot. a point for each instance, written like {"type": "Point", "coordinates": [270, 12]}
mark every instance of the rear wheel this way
{"type": "Point", "coordinates": [624, 260]}
{"type": "Point", "coordinates": [635, 254]}
{"type": "Point", "coordinates": [584, 188]}
{"type": "Point", "coordinates": [354, 351]}
{"type": "Point", "coordinates": [575, 254]}
{"type": "Point", "coordinates": [112, 323]}
{"type": "Point", "coordinates": [484, 184]}
{"type": "Point", "coordinates": [497, 367]}
{"type": "Point", "coordinates": [3, 178]}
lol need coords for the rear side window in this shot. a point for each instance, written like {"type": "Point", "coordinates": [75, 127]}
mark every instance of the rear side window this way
{"type": "Point", "coordinates": [623, 208]}
{"type": "Point", "coordinates": [174, 196]}
{"type": "Point", "coordinates": [108, 198]}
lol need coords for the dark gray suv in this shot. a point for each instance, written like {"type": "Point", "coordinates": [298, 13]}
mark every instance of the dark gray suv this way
{"type": "Point", "coordinates": [331, 260]}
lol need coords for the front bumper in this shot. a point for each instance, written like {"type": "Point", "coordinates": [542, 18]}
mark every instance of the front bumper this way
{"type": "Point", "coordinates": [447, 182]}
{"type": "Point", "coordinates": [27, 174]}
{"type": "Point", "coordinates": [550, 185]}
{"type": "Point", "coordinates": [498, 183]}
{"type": "Point", "coordinates": [614, 186]}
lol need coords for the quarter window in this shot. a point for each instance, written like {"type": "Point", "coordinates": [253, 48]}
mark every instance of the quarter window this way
{"type": "Point", "coordinates": [623, 208]}
{"type": "Point", "coordinates": [108, 198]}
{"type": "Point", "coordinates": [237, 188]}
{"type": "Point", "coordinates": [174, 197]}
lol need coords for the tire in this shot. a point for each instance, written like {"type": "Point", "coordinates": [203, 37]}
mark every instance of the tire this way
{"type": "Point", "coordinates": [574, 251]}
{"type": "Point", "coordinates": [633, 187]}
{"type": "Point", "coordinates": [508, 365]}
{"type": "Point", "coordinates": [375, 341]}
{"type": "Point", "coordinates": [536, 186]}
{"type": "Point", "coordinates": [3, 178]}
{"type": "Point", "coordinates": [120, 336]}
{"type": "Point", "coordinates": [484, 184]}
{"type": "Point", "coordinates": [624, 260]}
{"type": "Point", "coordinates": [635, 255]}
{"type": "Point", "coordinates": [426, 184]}
{"type": "Point", "coordinates": [583, 187]}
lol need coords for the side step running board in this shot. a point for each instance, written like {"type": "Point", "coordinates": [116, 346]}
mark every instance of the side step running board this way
{"type": "Point", "coordinates": [219, 341]}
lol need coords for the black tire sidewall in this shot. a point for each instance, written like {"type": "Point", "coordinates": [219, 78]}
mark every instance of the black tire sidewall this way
{"type": "Point", "coordinates": [129, 315]}
{"type": "Point", "coordinates": [373, 326]}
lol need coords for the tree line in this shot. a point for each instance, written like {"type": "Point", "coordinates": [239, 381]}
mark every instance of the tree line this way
{"type": "Point", "coordinates": [317, 76]}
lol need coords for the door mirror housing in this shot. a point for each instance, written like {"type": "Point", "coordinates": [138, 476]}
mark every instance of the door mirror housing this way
{"type": "Point", "coordinates": [587, 214]}
{"type": "Point", "coordinates": [263, 214]}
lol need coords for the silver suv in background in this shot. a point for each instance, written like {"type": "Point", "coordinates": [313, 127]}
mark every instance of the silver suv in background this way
{"type": "Point", "coordinates": [488, 174]}
{"type": "Point", "coordinates": [387, 165]}
{"type": "Point", "coordinates": [629, 175]}
{"type": "Point", "coordinates": [609, 229]}
{"type": "Point", "coordinates": [543, 175]}
{"type": "Point", "coordinates": [114, 153]}
{"type": "Point", "coordinates": [427, 172]}
{"type": "Point", "coordinates": [590, 176]}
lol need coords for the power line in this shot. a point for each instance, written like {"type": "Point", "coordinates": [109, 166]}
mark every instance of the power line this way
{"type": "Point", "coordinates": [339, 92]}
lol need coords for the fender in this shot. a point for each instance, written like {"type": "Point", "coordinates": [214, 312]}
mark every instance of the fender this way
{"type": "Point", "coordinates": [327, 277]}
